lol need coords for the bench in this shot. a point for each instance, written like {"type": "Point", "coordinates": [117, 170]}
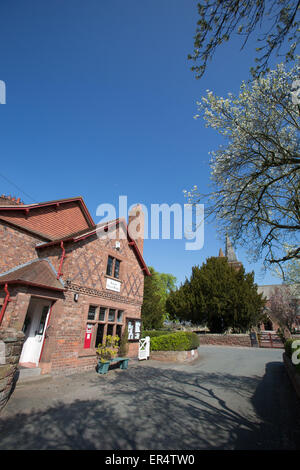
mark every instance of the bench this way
{"type": "Point", "coordinates": [104, 366]}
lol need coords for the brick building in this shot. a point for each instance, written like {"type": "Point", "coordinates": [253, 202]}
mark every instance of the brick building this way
{"type": "Point", "coordinates": [67, 282]}
{"type": "Point", "coordinates": [271, 324]}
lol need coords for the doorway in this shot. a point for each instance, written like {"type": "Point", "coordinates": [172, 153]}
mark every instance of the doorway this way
{"type": "Point", "coordinates": [34, 329]}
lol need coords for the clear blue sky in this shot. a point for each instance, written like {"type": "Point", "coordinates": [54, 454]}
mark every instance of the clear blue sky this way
{"type": "Point", "coordinates": [100, 103]}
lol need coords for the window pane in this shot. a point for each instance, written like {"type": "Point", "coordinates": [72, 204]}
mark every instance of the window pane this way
{"type": "Point", "coordinates": [43, 320]}
{"type": "Point", "coordinates": [119, 331]}
{"type": "Point", "coordinates": [117, 268]}
{"type": "Point", "coordinates": [111, 315]}
{"type": "Point", "coordinates": [99, 336]}
{"type": "Point", "coordinates": [109, 268]}
{"type": "Point", "coordinates": [102, 314]}
{"type": "Point", "coordinates": [120, 316]}
{"type": "Point", "coordinates": [92, 312]}
{"type": "Point", "coordinates": [110, 330]}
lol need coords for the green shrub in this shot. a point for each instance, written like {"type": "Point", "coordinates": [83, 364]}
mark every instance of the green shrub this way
{"type": "Point", "coordinates": [154, 333]}
{"type": "Point", "coordinates": [179, 341]}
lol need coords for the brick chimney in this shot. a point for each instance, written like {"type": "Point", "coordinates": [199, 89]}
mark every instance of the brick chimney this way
{"type": "Point", "coordinates": [9, 201]}
{"type": "Point", "coordinates": [136, 222]}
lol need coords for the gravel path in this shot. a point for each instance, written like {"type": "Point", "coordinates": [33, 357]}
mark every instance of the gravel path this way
{"type": "Point", "coordinates": [229, 398]}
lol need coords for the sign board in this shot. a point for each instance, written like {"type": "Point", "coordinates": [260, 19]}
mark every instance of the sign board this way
{"type": "Point", "coordinates": [111, 284]}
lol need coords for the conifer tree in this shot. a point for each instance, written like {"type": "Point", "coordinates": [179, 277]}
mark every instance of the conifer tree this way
{"type": "Point", "coordinates": [220, 296]}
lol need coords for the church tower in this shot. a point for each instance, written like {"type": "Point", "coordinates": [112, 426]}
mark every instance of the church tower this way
{"type": "Point", "coordinates": [230, 255]}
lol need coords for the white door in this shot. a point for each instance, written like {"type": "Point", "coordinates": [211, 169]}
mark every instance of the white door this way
{"type": "Point", "coordinates": [36, 321]}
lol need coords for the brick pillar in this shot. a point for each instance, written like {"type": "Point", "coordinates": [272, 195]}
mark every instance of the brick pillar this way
{"type": "Point", "coordinates": [11, 343]}
{"type": "Point", "coordinates": [16, 310]}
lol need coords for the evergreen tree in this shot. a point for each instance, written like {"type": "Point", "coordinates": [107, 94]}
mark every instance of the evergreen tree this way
{"type": "Point", "coordinates": [218, 295]}
{"type": "Point", "coordinates": [179, 304]}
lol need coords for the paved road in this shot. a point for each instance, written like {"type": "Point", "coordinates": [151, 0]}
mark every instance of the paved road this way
{"type": "Point", "coordinates": [230, 398]}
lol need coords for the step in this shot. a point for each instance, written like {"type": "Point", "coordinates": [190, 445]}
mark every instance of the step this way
{"type": "Point", "coordinates": [24, 377]}
{"type": "Point", "coordinates": [26, 372]}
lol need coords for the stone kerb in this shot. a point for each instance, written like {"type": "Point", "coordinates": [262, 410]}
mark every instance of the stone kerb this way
{"type": "Point", "coordinates": [11, 342]}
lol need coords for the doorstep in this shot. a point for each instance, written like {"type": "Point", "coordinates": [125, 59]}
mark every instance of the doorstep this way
{"type": "Point", "coordinates": [27, 373]}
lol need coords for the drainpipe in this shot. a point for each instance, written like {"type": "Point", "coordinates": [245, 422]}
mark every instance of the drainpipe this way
{"type": "Point", "coordinates": [6, 300]}
{"type": "Point", "coordinates": [59, 274]}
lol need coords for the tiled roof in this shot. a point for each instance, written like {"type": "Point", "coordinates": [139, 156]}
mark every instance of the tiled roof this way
{"type": "Point", "coordinates": [52, 219]}
{"type": "Point", "coordinates": [39, 272]}
{"type": "Point", "coordinates": [268, 290]}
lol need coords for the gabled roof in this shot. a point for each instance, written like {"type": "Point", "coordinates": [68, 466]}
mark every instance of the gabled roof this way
{"type": "Point", "coordinates": [83, 234]}
{"type": "Point", "coordinates": [49, 220]}
{"type": "Point", "coordinates": [38, 273]}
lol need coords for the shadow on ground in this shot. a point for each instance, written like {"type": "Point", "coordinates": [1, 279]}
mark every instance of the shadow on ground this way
{"type": "Point", "coordinates": [152, 408]}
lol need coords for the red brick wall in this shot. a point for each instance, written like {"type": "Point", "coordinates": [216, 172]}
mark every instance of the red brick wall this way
{"type": "Point", "coordinates": [225, 340]}
{"type": "Point", "coordinates": [86, 261]}
{"type": "Point", "coordinates": [64, 348]}
{"type": "Point", "coordinates": [16, 247]}
{"type": "Point", "coordinates": [84, 272]}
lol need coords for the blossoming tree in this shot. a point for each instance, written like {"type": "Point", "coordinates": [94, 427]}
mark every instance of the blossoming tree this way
{"type": "Point", "coordinates": [255, 175]}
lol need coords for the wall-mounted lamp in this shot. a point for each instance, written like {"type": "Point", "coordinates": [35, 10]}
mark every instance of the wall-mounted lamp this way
{"type": "Point", "coordinates": [76, 297]}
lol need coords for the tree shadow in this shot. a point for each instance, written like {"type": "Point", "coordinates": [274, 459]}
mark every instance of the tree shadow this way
{"type": "Point", "coordinates": [278, 406]}
{"type": "Point", "coordinates": [153, 408]}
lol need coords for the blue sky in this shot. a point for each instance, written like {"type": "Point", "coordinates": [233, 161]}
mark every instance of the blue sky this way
{"type": "Point", "coordinates": [100, 103]}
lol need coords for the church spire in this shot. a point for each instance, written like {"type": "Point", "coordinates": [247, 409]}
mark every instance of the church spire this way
{"type": "Point", "coordinates": [229, 251]}
{"type": "Point", "coordinates": [231, 256]}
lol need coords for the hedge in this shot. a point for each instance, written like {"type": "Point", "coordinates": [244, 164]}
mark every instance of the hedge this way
{"type": "Point", "coordinates": [179, 341]}
{"type": "Point", "coordinates": [154, 333]}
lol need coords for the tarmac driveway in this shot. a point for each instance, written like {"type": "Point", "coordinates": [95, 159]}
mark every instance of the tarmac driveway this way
{"type": "Point", "coordinates": [229, 398]}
